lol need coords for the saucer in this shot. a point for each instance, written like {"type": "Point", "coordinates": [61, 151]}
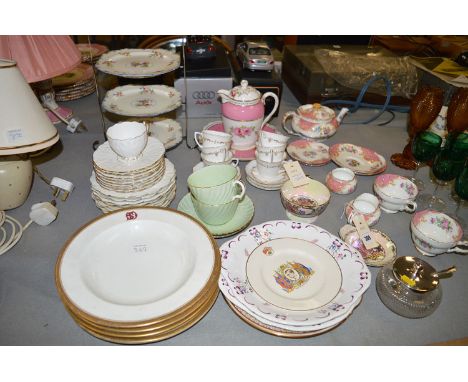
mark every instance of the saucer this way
{"type": "Point", "coordinates": [240, 221]}
{"type": "Point", "coordinates": [309, 152]}
{"type": "Point", "coordinates": [382, 255]}
{"type": "Point", "coordinates": [256, 180]}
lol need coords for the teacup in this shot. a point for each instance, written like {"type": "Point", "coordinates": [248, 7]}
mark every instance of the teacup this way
{"type": "Point", "coordinates": [269, 170]}
{"type": "Point", "coordinates": [270, 154]}
{"type": "Point", "coordinates": [272, 139]}
{"type": "Point", "coordinates": [127, 139]}
{"type": "Point", "coordinates": [366, 205]}
{"type": "Point", "coordinates": [228, 160]}
{"type": "Point", "coordinates": [212, 138]}
{"type": "Point", "coordinates": [396, 193]}
{"type": "Point", "coordinates": [216, 184]}
{"type": "Point", "coordinates": [217, 154]}
{"type": "Point", "coordinates": [434, 232]}
{"type": "Point", "coordinates": [215, 214]}
{"type": "Point", "coordinates": [341, 181]}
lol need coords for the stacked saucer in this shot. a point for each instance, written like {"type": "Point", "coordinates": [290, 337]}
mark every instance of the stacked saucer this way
{"type": "Point", "coordinates": [138, 275]}
{"type": "Point", "coordinates": [148, 180]}
{"type": "Point", "coordinates": [262, 182]}
{"type": "Point", "coordinates": [90, 53]}
{"type": "Point", "coordinates": [292, 279]}
{"type": "Point", "coordinates": [75, 84]}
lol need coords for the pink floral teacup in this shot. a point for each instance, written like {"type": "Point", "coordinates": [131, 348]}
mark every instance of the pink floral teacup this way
{"type": "Point", "coordinates": [396, 193]}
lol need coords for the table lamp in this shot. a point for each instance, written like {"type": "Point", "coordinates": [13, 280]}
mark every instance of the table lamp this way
{"type": "Point", "coordinates": [40, 58]}
{"type": "Point", "coordinates": [24, 128]}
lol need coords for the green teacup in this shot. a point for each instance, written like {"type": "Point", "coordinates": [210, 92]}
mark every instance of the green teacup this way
{"type": "Point", "coordinates": [215, 214]}
{"type": "Point", "coordinates": [216, 184]}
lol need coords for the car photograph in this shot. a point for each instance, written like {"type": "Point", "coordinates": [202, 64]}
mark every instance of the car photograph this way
{"type": "Point", "coordinates": [255, 56]}
{"type": "Point", "coordinates": [200, 47]}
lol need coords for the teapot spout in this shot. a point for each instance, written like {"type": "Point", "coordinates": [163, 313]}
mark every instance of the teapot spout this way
{"type": "Point", "coordinates": [224, 95]}
{"type": "Point", "coordinates": [341, 115]}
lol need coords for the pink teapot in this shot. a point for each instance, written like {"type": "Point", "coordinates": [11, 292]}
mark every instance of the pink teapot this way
{"type": "Point", "coordinates": [313, 121]}
{"type": "Point", "coordinates": [243, 111]}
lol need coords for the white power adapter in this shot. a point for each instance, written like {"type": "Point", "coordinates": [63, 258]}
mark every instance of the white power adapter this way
{"type": "Point", "coordinates": [43, 213]}
{"type": "Point", "coordinates": [63, 186]}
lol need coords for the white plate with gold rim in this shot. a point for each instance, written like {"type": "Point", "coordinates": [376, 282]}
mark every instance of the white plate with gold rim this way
{"type": "Point", "coordinates": [262, 182]}
{"type": "Point", "coordinates": [141, 101]}
{"type": "Point", "coordinates": [136, 264]}
{"type": "Point", "coordinates": [293, 274]}
{"type": "Point", "coordinates": [106, 159]}
{"type": "Point", "coordinates": [138, 63]}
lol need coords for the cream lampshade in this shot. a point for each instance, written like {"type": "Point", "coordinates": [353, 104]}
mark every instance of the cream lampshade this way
{"type": "Point", "coordinates": [24, 128]}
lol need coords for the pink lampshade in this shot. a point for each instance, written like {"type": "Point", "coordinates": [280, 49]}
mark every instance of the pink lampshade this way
{"type": "Point", "coordinates": [40, 57]}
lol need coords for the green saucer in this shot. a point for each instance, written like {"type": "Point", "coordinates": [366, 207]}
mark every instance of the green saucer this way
{"type": "Point", "coordinates": [242, 218]}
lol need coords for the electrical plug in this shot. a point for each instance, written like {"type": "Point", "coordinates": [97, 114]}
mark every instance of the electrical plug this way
{"type": "Point", "coordinates": [43, 213]}
{"type": "Point", "coordinates": [61, 186]}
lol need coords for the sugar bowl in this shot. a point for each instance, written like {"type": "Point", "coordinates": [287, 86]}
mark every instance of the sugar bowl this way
{"type": "Point", "coordinates": [341, 181]}
{"type": "Point", "coordinates": [410, 286]}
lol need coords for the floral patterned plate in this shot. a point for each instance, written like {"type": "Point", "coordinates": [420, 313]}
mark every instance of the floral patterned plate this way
{"type": "Point", "coordinates": [168, 131]}
{"type": "Point", "coordinates": [141, 101]}
{"type": "Point", "coordinates": [138, 63]}
{"type": "Point", "coordinates": [361, 160]}
{"type": "Point", "coordinates": [80, 74]}
{"type": "Point", "coordinates": [235, 253]}
{"type": "Point", "coordinates": [309, 152]}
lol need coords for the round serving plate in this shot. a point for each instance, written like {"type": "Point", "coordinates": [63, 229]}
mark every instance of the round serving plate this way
{"type": "Point", "coordinates": [168, 131]}
{"type": "Point", "coordinates": [80, 74]}
{"type": "Point", "coordinates": [242, 218]}
{"type": "Point", "coordinates": [293, 274]}
{"type": "Point", "coordinates": [309, 152]}
{"type": "Point", "coordinates": [106, 159]}
{"type": "Point", "coordinates": [141, 101]}
{"type": "Point", "coordinates": [236, 251]}
{"type": "Point", "coordinates": [158, 264]}
{"type": "Point", "coordinates": [155, 337]}
{"type": "Point", "coordinates": [361, 160]}
{"type": "Point", "coordinates": [138, 63]}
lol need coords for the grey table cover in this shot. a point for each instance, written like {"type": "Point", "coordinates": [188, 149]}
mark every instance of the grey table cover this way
{"type": "Point", "coordinates": [31, 312]}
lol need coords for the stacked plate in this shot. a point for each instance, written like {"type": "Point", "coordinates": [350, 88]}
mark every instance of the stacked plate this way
{"type": "Point", "coordinates": [292, 279]}
{"type": "Point", "coordinates": [90, 53]}
{"type": "Point", "coordinates": [149, 180]}
{"type": "Point", "coordinates": [138, 275]}
{"type": "Point", "coordinates": [75, 84]}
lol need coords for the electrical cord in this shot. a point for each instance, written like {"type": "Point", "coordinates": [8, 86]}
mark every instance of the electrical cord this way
{"type": "Point", "coordinates": [16, 232]}
{"type": "Point", "coordinates": [357, 104]}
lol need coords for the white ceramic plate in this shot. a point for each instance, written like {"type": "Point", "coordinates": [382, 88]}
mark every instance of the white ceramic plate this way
{"type": "Point", "coordinates": [262, 182]}
{"type": "Point", "coordinates": [361, 160]}
{"type": "Point", "coordinates": [138, 63]}
{"type": "Point", "coordinates": [135, 265]}
{"type": "Point", "coordinates": [235, 252]}
{"type": "Point", "coordinates": [293, 274]}
{"type": "Point", "coordinates": [106, 159]}
{"type": "Point", "coordinates": [309, 152]}
{"type": "Point", "coordinates": [168, 131]}
{"type": "Point", "coordinates": [141, 101]}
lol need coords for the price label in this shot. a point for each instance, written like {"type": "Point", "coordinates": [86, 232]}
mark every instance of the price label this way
{"type": "Point", "coordinates": [295, 173]}
{"type": "Point", "coordinates": [364, 232]}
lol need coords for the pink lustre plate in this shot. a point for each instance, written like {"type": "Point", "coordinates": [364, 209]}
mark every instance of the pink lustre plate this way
{"type": "Point", "coordinates": [309, 152]}
{"type": "Point", "coordinates": [361, 160]}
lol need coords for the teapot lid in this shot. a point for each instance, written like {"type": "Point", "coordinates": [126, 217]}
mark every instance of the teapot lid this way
{"type": "Point", "coordinates": [417, 274]}
{"type": "Point", "coordinates": [316, 111]}
{"type": "Point", "coordinates": [245, 93]}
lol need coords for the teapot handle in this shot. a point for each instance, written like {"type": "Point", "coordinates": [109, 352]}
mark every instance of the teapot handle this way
{"type": "Point", "coordinates": [286, 116]}
{"type": "Point", "coordinates": [275, 97]}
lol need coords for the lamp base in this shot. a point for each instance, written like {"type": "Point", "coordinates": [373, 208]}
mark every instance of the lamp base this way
{"type": "Point", "coordinates": [16, 177]}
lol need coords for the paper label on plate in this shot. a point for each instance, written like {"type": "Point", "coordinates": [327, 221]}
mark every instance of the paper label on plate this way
{"type": "Point", "coordinates": [364, 232]}
{"type": "Point", "coordinates": [295, 173]}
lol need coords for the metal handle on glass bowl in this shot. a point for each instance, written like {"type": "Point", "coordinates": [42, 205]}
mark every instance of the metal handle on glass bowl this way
{"type": "Point", "coordinates": [457, 248]}
{"type": "Point", "coordinates": [411, 207]}
{"type": "Point", "coordinates": [197, 133]}
{"type": "Point", "coordinates": [241, 195]}
{"type": "Point", "coordinates": [286, 116]}
{"type": "Point", "coordinates": [446, 273]}
{"type": "Point", "coordinates": [264, 97]}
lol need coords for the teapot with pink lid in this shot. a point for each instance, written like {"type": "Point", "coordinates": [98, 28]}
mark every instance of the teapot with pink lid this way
{"type": "Point", "coordinates": [243, 113]}
{"type": "Point", "coordinates": [313, 121]}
